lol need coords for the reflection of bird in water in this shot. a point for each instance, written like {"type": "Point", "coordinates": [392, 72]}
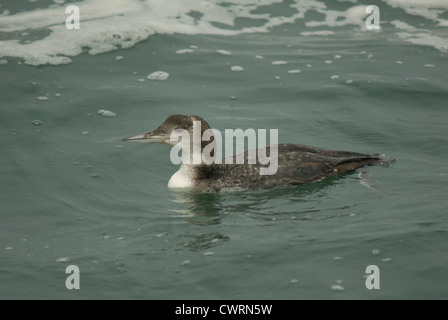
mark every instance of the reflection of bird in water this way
{"type": "Point", "coordinates": [297, 164]}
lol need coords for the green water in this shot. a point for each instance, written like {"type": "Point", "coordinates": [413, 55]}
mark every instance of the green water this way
{"type": "Point", "coordinates": [70, 188]}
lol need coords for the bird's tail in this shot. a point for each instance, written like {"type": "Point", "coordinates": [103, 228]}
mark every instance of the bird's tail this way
{"type": "Point", "coordinates": [352, 163]}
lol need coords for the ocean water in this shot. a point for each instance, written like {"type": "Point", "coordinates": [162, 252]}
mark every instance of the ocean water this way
{"type": "Point", "coordinates": [73, 193]}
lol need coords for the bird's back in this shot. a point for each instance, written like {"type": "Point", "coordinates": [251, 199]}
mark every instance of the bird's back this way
{"type": "Point", "coordinates": [297, 164]}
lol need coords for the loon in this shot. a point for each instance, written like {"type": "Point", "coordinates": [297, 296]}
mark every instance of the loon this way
{"type": "Point", "coordinates": [297, 164]}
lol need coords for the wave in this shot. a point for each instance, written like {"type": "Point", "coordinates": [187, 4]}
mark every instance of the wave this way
{"type": "Point", "coordinates": [40, 36]}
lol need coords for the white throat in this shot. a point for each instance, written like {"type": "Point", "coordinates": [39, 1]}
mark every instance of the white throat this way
{"type": "Point", "coordinates": [183, 178]}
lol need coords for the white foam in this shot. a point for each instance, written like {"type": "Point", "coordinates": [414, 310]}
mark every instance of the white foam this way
{"type": "Point", "coordinates": [430, 9]}
{"type": "Point", "coordinates": [279, 62]}
{"type": "Point", "coordinates": [159, 75]}
{"type": "Point", "coordinates": [354, 15]}
{"type": "Point", "coordinates": [224, 52]}
{"type": "Point", "coordinates": [337, 288]}
{"type": "Point", "coordinates": [317, 33]}
{"type": "Point", "coordinates": [107, 25]}
{"type": "Point", "coordinates": [294, 71]}
{"type": "Point", "coordinates": [182, 51]}
{"type": "Point", "coordinates": [106, 113]}
{"type": "Point", "coordinates": [237, 68]}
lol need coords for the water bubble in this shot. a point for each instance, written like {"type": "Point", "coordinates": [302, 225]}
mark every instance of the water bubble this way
{"type": "Point", "coordinates": [334, 77]}
{"type": "Point", "coordinates": [237, 68]}
{"type": "Point", "coordinates": [106, 113]}
{"type": "Point", "coordinates": [328, 61]}
{"type": "Point", "coordinates": [63, 260]}
{"type": "Point", "coordinates": [308, 65]}
{"type": "Point", "coordinates": [94, 175]}
{"type": "Point", "coordinates": [337, 258]}
{"type": "Point", "coordinates": [194, 47]}
{"type": "Point", "coordinates": [259, 57]}
{"type": "Point", "coordinates": [429, 66]}
{"type": "Point", "coordinates": [85, 133]}
{"type": "Point", "coordinates": [399, 62]}
{"type": "Point", "coordinates": [118, 58]}
{"type": "Point", "coordinates": [8, 248]}
{"type": "Point", "coordinates": [36, 122]}
{"type": "Point", "coordinates": [159, 75]}
{"type": "Point", "coordinates": [376, 252]}
{"type": "Point", "coordinates": [337, 56]}
{"type": "Point", "coordinates": [387, 260]}
{"type": "Point", "coordinates": [337, 288]}
{"type": "Point", "coordinates": [294, 281]}
{"type": "Point", "coordinates": [3, 62]}
{"type": "Point", "coordinates": [294, 71]}
{"type": "Point", "coordinates": [141, 80]}
{"type": "Point", "coordinates": [349, 81]}
{"type": "Point", "coordinates": [208, 253]}
{"type": "Point", "coordinates": [224, 52]}
{"type": "Point", "coordinates": [121, 238]}
{"type": "Point", "coordinates": [42, 98]}
{"type": "Point", "coordinates": [57, 94]}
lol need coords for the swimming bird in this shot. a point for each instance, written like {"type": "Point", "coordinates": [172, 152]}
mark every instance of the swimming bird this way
{"type": "Point", "coordinates": [297, 164]}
